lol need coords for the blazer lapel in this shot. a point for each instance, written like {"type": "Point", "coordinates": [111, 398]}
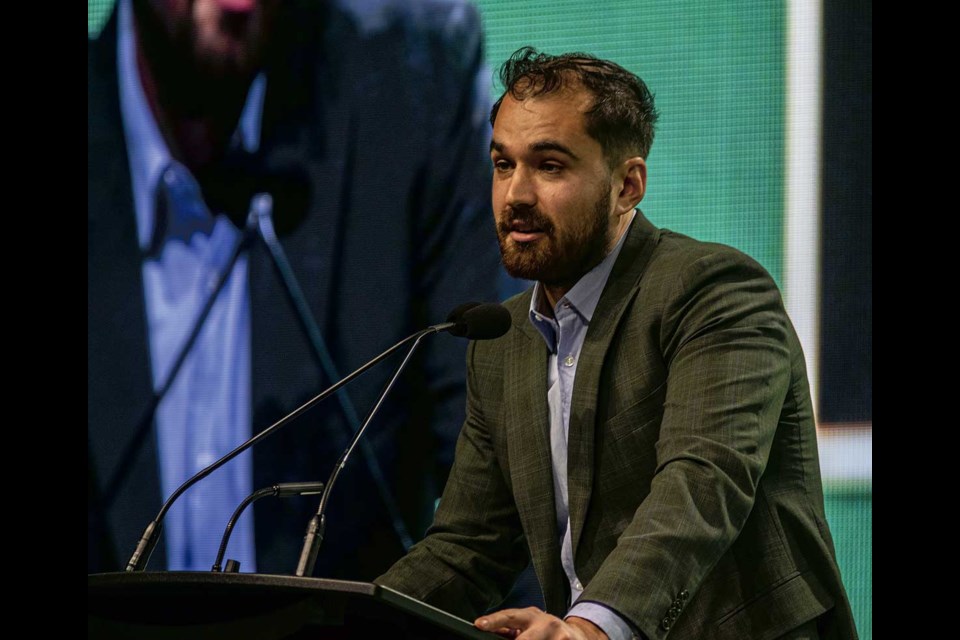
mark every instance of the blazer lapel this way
{"type": "Point", "coordinates": [118, 359]}
{"type": "Point", "coordinates": [621, 287]}
{"type": "Point", "coordinates": [528, 439]}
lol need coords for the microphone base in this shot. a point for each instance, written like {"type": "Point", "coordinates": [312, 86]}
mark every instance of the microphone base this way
{"type": "Point", "coordinates": [311, 547]}
{"type": "Point", "coordinates": [141, 556]}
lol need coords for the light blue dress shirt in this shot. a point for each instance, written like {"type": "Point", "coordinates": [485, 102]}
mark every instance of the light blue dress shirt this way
{"type": "Point", "coordinates": [564, 334]}
{"type": "Point", "coordinates": [206, 413]}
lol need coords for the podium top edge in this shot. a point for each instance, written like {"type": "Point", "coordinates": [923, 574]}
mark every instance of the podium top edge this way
{"type": "Point", "coordinates": [199, 578]}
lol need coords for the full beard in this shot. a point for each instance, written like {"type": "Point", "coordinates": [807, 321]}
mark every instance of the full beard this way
{"type": "Point", "coordinates": [557, 259]}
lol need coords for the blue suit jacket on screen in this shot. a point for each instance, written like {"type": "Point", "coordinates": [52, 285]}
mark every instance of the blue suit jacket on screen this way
{"type": "Point", "coordinates": [384, 113]}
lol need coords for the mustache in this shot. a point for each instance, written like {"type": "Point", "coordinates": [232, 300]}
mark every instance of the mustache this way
{"type": "Point", "coordinates": [523, 219]}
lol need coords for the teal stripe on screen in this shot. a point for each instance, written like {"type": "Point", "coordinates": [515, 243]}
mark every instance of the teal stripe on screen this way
{"type": "Point", "coordinates": [97, 13]}
{"type": "Point", "coordinates": [849, 507]}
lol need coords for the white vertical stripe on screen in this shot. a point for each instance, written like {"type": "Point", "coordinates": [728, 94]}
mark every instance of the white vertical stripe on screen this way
{"type": "Point", "coordinates": [802, 217]}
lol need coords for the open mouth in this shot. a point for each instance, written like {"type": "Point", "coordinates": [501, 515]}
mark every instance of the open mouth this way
{"type": "Point", "coordinates": [525, 231]}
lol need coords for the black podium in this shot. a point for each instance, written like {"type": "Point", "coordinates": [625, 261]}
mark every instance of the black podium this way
{"type": "Point", "coordinates": [185, 604]}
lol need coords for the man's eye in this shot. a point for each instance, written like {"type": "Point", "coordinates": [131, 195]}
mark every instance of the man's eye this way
{"type": "Point", "coordinates": [501, 165]}
{"type": "Point", "coordinates": [550, 167]}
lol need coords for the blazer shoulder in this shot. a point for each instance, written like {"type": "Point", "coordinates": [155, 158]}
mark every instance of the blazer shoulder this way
{"type": "Point", "coordinates": [681, 257]}
{"type": "Point", "coordinates": [420, 61]}
{"type": "Point", "coordinates": [454, 24]}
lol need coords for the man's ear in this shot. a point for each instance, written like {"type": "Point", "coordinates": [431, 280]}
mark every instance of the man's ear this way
{"type": "Point", "coordinates": [633, 184]}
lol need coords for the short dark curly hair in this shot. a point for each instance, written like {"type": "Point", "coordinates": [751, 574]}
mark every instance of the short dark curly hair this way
{"type": "Point", "coordinates": [623, 115]}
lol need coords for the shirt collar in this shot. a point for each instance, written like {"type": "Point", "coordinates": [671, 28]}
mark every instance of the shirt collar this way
{"type": "Point", "coordinates": [146, 148]}
{"type": "Point", "coordinates": [585, 294]}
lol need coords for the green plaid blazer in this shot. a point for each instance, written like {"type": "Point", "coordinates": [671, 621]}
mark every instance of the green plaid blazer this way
{"type": "Point", "coordinates": [696, 503]}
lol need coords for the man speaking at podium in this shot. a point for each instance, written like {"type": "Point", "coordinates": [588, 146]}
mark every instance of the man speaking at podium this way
{"type": "Point", "coordinates": [644, 432]}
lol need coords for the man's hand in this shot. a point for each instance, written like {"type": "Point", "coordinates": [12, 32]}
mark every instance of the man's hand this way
{"type": "Point", "coordinates": [533, 624]}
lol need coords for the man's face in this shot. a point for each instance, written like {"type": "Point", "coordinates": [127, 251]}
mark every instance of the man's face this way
{"type": "Point", "coordinates": [553, 192]}
{"type": "Point", "coordinates": [217, 37]}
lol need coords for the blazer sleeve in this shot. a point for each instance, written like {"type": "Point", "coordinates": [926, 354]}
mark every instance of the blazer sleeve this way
{"type": "Point", "coordinates": [724, 336]}
{"type": "Point", "coordinates": [475, 548]}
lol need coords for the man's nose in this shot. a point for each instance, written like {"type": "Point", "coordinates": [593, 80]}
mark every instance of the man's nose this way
{"type": "Point", "coordinates": [521, 192]}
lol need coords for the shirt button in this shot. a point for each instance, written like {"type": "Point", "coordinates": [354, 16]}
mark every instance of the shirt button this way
{"type": "Point", "coordinates": [568, 361]}
{"type": "Point", "coordinates": [578, 585]}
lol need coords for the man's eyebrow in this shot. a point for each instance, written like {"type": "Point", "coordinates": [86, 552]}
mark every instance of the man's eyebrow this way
{"type": "Point", "coordinates": [553, 145]}
{"type": "Point", "coordinates": [542, 145]}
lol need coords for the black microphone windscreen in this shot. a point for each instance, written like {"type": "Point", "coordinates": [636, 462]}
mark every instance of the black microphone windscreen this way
{"type": "Point", "coordinates": [457, 313]}
{"type": "Point", "coordinates": [229, 185]}
{"type": "Point", "coordinates": [483, 322]}
{"type": "Point", "coordinates": [290, 187]}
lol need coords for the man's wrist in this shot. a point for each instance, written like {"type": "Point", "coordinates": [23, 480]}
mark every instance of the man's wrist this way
{"type": "Point", "coordinates": [589, 629]}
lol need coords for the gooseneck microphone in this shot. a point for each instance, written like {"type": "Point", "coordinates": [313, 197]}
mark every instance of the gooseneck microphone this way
{"type": "Point", "coordinates": [470, 320]}
{"type": "Point", "coordinates": [477, 322]}
{"type": "Point", "coordinates": [279, 490]}
{"type": "Point", "coordinates": [262, 207]}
